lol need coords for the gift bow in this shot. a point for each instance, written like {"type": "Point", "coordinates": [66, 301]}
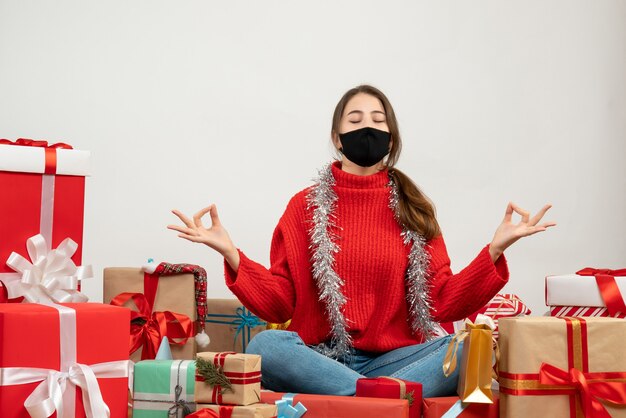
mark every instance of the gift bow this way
{"type": "Point", "coordinates": [25, 142]}
{"type": "Point", "coordinates": [590, 390]}
{"type": "Point", "coordinates": [482, 322]}
{"type": "Point", "coordinates": [180, 404]}
{"type": "Point", "coordinates": [287, 410]}
{"type": "Point", "coordinates": [48, 395]}
{"type": "Point", "coordinates": [246, 319]}
{"type": "Point", "coordinates": [243, 320]}
{"type": "Point", "coordinates": [605, 278]}
{"type": "Point", "coordinates": [155, 326]}
{"type": "Point", "coordinates": [50, 276]}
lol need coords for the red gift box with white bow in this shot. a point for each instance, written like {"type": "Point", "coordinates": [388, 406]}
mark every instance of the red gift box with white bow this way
{"type": "Point", "coordinates": [43, 189]}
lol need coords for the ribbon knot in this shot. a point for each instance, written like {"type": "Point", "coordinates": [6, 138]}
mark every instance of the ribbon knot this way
{"type": "Point", "coordinates": [590, 271]}
{"type": "Point", "coordinates": [609, 291]}
{"type": "Point", "coordinates": [285, 408]}
{"type": "Point", "coordinates": [591, 391]}
{"type": "Point", "coordinates": [25, 142]}
{"type": "Point", "coordinates": [148, 328]}
{"type": "Point", "coordinates": [180, 405]}
{"type": "Point", "coordinates": [50, 276]}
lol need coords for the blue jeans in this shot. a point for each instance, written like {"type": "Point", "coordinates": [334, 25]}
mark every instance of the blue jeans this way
{"type": "Point", "coordinates": [289, 365]}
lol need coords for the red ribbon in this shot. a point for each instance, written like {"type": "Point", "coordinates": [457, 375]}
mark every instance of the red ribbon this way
{"type": "Point", "coordinates": [156, 326]}
{"type": "Point", "coordinates": [590, 391]}
{"type": "Point", "coordinates": [204, 413]}
{"type": "Point", "coordinates": [609, 291]}
{"type": "Point", "coordinates": [235, 378]}
{"type": "Point", "coordinates": [50, 150]}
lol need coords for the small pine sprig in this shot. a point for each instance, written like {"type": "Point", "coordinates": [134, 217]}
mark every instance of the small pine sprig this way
{"type": "Point", "coordinates": [212, 374]}
{"type": "Point", "coordinates": [410, 396]}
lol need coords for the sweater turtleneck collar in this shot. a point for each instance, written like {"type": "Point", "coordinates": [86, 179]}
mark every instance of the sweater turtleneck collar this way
{"type": "Point", "coordinates": [345, 179]}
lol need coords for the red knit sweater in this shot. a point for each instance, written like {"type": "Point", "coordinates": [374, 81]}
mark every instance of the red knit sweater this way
{"type": "Point", "coordinates": [372, 261]}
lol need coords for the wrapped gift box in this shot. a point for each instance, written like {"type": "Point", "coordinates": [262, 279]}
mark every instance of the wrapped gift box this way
{"type": "Point", "coordinates": [257, 410]}
{"type": "Point", "coordinates": [502, 305]}
{"type": "Point", "coordinates": [43, 192]}
{"type": "Point", "coordinates": [175, 293]}
{"type": "Point", "coordinates": [438, 407]}
{"type": "Point", "coordinates": [584, 311]}
{"type": "Point", "coordinates": [545, 360]}
{"type": "Point", "coordinates": [589, 288]}
{"type": "Point", "coordinates": [155, 393]}
{"type": "Point", "coordinates": [241, 371]}
{"type": "Point", "coordinates": [392, 388]}
{"type": "Point", "coordinates": [230, 325]}
{"type": "Point", "coordinates": [322, 406]}
{"type": "Point", "coordinates": [36, 339]}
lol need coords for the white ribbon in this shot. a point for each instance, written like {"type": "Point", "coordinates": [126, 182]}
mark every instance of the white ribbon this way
{"type": "Point", "coordinates": [50, 276]}
{"type": "Point", "coordinates": [57, 389]}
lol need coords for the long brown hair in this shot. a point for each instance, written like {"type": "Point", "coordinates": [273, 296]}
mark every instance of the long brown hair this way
{"type": "Point", "coordinates": [416, 211]}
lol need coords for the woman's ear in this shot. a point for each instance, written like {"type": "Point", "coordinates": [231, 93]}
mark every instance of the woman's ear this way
{"type": "Point", "coordinates": [336, 141]}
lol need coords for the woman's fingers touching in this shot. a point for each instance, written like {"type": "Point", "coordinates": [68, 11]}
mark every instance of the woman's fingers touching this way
{"type": "Point", "coordinates": [197, 218]}
{"type": "Point", "coordinates": [524, 213]}
{"type": "Point", "coordinates": [535, 219]}
{"type": "Point", "coordinates": [215, 219]}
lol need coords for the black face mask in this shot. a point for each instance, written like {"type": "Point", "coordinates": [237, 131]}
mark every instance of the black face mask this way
{"type": "Point", "coordinates": [365, 146]}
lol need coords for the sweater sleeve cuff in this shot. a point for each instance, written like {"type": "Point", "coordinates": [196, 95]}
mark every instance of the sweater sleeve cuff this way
{"type": "Point", "coordinates": [231, 275]}
{"type": "Point", "coordinates": [499, 267]}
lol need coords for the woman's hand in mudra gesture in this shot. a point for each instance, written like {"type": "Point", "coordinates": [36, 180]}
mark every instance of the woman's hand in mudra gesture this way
{"type": "Point", "coordinates": [215, 237]}
{"type": "Point", "coordinates": [509, 232]}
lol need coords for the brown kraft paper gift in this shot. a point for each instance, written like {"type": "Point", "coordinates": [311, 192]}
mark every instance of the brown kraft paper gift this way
{"type": "Point", "coordinates": [557, 367]}
{"type": "Point", "coordinates": [224, 336]}
{"type": "Point", "coordinates": [228, 378]}
{"type": "Point", "coordinates": [175, 293]}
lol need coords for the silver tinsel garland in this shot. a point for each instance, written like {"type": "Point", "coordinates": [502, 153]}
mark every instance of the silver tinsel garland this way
{"type": "Point", "coordinates": [322, 200]}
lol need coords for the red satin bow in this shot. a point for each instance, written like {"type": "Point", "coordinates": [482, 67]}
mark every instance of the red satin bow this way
{"type": "Point", "coordinates": [608, 287]}
{"type": "Point", "coordinates": [204, 413]}
{"type": "Point", "coordinates": [157, 325]}
{"type": "Point", "coordinates": [25, 142]}
{"type": "Point", "coordinates": [590, 391]}
{"type": "Point", "coordinates": [590, 271]}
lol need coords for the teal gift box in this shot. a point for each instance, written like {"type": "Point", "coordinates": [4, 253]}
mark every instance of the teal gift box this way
{"type": "Point", "coordinates": [164, 388]}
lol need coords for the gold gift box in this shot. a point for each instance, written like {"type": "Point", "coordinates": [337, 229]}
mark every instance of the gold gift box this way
{"type": "Point", "coordinates": [243, 372]}
{"type": "Point", "coordinates": [257, 410]}
{"type": "Point", "coordinates": [528, 344]}
{"type": "Point", "coordinates": [175, 293]}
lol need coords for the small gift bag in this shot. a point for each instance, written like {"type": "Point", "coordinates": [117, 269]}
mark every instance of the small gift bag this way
{"type": "Point", "coordinates": [476, 368]}
{"type": "Point", "coordinates": [228, 378]}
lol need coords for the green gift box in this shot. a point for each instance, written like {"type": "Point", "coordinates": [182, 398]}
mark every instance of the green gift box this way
{"type": "Point", "coordinates": [164, 388]}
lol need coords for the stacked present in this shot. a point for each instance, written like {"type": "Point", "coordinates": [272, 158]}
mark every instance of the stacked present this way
{"type": "Point", "coordinates": [226, 384]}
{"type": "Point", "coordinates": [589, 292]}
{"type": "Point", "coordinates": [57, 353]}
{"type": "Point", "coordinates": [166, 300]}
{"type": "Point", "coordinates": [503, 305]}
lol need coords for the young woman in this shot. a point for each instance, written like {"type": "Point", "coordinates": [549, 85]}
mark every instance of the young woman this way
{"type": "Point", "coordinates": [359, 265]}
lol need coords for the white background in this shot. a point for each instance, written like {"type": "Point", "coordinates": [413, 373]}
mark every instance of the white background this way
{"type": "Point", "coordinates": [187, 103]}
